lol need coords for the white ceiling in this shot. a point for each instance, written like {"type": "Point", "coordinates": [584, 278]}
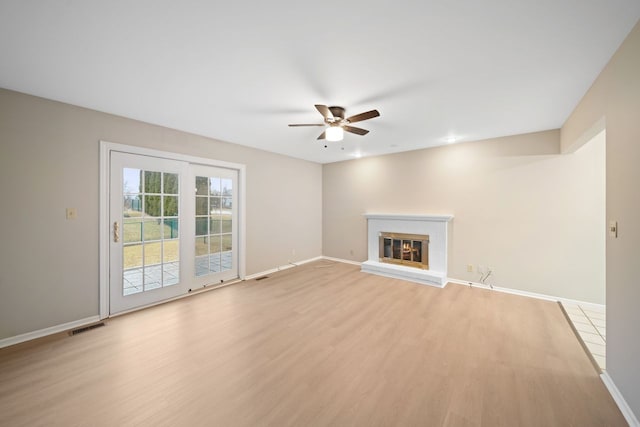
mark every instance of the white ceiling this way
{"type": "Point", "coordinates": [241, 71]}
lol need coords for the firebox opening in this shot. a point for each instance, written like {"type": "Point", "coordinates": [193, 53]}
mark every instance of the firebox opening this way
{"type": "Point", "coordinates": [406, 249]}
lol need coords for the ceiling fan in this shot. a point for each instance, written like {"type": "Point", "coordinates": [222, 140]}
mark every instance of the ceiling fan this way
{"type": "Point", "coordinates": [334, 118]}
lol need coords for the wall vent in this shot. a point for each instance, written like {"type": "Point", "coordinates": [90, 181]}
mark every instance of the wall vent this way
{"type": "Point", "coordinates": [261, 278]}
{"type": "Point", "coordinates": [85, 328]}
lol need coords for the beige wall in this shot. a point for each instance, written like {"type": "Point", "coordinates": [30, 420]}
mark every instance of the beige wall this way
{"type": "Point", "coordinates": [49, 154]}
{"type": "Point", "coordinates": [534, 216]}
{"type": "Point", "coordinates": [615, 96]}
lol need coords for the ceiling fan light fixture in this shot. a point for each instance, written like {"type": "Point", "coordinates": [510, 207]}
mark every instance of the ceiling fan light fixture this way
{"type": "Point", "coordinates": [334, 133]}
{"type": "Point", "coordinates": [338, 125]}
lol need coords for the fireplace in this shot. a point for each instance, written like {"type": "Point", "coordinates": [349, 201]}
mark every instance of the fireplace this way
{"type": "Point", "coordinates": [408, 247]}
{"type": "Point", "coordinates": [405, 249]}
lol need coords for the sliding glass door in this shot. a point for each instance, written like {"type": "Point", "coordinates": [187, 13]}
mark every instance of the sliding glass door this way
{"type": "Point", "coordinates": [173, 228]}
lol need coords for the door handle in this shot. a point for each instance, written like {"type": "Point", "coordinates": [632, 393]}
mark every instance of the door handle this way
{"type": "Point", "coordinates": [116, 233]}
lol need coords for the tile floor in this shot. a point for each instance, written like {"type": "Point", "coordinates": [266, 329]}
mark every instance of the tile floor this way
{"type": "Point", "coordinates": [590, 322]}
{"type": "Point", "coordinates": [213, 263]}
{"type": "Point", "coordinates": [137, 280]}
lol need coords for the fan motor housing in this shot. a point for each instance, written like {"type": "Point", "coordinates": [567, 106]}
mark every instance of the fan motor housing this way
{"type": "Point", "coordinates": [338, 113]}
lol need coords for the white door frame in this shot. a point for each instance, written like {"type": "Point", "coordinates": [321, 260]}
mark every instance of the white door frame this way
{"type": "Point", "coordinates": [105, 150]}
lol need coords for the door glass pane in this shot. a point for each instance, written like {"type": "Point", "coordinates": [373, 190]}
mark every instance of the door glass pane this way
{"type": "Point", "coordinates": [132, 256]}
{"type": "Point", "coordinates": [132, 206]}
{"type": "Point", "coordinates": [214, 258]}
{"type": "Point", "coordinates": [152, 253]}
{"type": "Point", "coordinates": [226, 204]}
{"type": "Point", "coordinates": [227, 187]}
{"type": "Point", "coordinates": [214, 186]}
{"type": "Point", "coordinates": [170, 274]}
{"type": "Point", "coordinates": [214, 206]}
{"type": "Point", "coordinates": [132, 281]}
{"type": "Point", "coordinates": [214, 220]}
{"type": "Point", "coordinates": [131, 181]}
{"type": "Point", "coordinates": [226, 254]}
{"type": "Point", "coordinates": [150, 235]}
{"type": "Point", "coordinates": [214, 224]}
{"type": "Point", "coordinates": [151, 230]}
{"type": "Point", "coordinates": [152, 277]}
{"type": "Point", "coordinates": [201, 226]}
{"type": "Point", "coordinates": [202, 206]}
{"type": "Point", "coordinates": [214, 244]}
{"type": "Point", "coordinates": [171, 265]}
{"type": "Point", "coordinates": [202, 245]}
{"type": "Point", "coordinates": [202, 186]}
{"type": "Point", "coordinates": [215, 263]}
{"type": "Point", "coordinates": [226, 243]}
{"type": "Point", "coordinates": [132, 230]}
{"type": "Point", "coordinates": [170, 181]}
{"type": "Point", "coordinates": [170, 205]}
{"type": "Point", "coordinates": [152, 205]}
{"type": "Point", "coordinates": [170, 251]}
{"type": "Point", "coordinates": [170, 228]}
{"type": "Point", "coordinates": [226, 223]}
{"type": "Point", "coordinates": [152, 182]}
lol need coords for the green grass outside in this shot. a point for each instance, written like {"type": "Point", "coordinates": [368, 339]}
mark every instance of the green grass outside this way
{"type": "Point", "coordinates": [135, 226]}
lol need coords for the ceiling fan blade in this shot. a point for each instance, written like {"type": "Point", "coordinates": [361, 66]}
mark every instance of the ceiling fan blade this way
{"type": "Point", "coordinates": [355, 130]}
{"type": "Point", "coordinates": [363, 116]}
{"type": "Point", "coordinates": [322, 135]}
{"type": "Point", "coordinates": [324, 110]}
{"type": "Point", "coordinates": [307, 124]}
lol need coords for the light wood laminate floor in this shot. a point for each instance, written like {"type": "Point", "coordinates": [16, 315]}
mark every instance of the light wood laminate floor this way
{"type": "Point", "coordinates": [317, 345]}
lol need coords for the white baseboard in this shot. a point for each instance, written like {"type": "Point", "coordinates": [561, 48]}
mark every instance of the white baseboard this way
{"type": "Point", "coordinates": [619, 399]}
{"type": "Point", "coordinates": [6, 342]}
{"type": "Point", "coordinates": [344, 261]}
{"type": "Point", "coordinates": [297, 263]}
{"type": "Point", "coordinates": [597, 307]}
{"type": "Point", "coordinates": [317, 258]}
{"type": "Point", "coordinates": [282, 267]}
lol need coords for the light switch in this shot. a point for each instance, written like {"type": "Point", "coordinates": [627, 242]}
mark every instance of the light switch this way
{"type": "Point", "coordinates": [72, 213]}
{"type": "Point", "coordinates": [613, 229]}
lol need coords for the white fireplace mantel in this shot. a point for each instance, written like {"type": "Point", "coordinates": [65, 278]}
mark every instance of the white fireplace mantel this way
{"type": "Point", "coordinates": [402, 217]}
{"type": "Point", "coordinates": [436, 226]}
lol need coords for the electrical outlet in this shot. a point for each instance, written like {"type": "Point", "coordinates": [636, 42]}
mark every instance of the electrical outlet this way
{"type": "Point", "coordinates": [469, 268]}
{"type": "Point", "coordinates": [293, 252]}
